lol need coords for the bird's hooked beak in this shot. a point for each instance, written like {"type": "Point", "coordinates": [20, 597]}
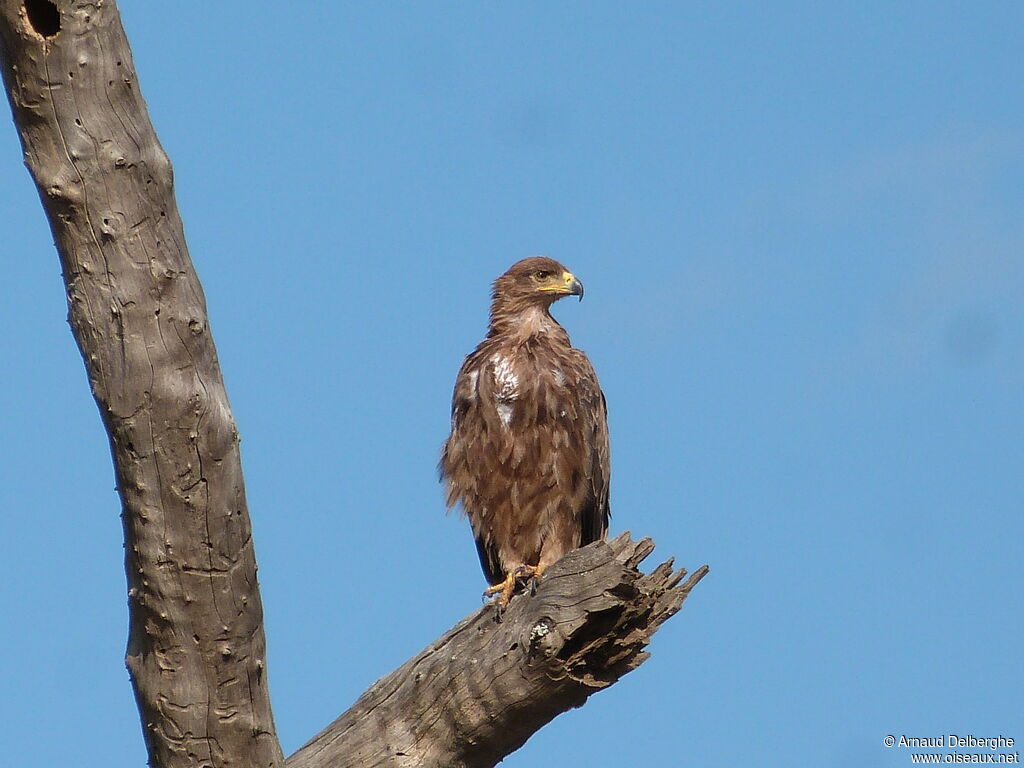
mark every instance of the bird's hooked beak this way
{"type": "Point", "coordinates": [574, 286]}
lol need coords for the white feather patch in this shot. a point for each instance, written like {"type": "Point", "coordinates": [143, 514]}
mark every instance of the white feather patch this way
{"type": "Point", "coordinates": [505, 413]}
{"type": "Point", "coordinates": [506, 387]}
{"type": "Point", "coordinates": [505, 379]}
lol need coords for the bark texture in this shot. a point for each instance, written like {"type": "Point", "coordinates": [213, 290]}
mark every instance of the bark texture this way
{"type": "Point", "coordinates": [196, 644]}
{"type": "Point", "coordinates": [196, 649]}
{"type": "Point", "coordinates": [480, 691]}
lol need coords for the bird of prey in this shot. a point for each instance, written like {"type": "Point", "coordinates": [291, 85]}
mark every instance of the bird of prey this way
{"type": "Point", "coordinates": [528, 456]}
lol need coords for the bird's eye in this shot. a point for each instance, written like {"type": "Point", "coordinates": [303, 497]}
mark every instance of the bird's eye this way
{"type": "Point", "coordinates": [542, 274]}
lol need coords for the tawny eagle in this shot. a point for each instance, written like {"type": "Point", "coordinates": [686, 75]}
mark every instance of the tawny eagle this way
{"type": "Point", "coordinates": [528, 457]}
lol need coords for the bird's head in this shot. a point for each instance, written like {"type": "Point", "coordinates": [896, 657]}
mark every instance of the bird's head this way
{"type": "Point", "coordinates": [524, 293]}
{"type": "Point", "coordinates": [536, 281]}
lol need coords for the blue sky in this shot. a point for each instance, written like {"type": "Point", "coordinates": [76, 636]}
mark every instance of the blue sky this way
{"type": "Point", "coordinates": [801, 228]}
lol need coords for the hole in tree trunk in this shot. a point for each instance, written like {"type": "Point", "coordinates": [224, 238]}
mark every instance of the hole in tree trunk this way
{"type": "Point", "coordinates": [43, 16]}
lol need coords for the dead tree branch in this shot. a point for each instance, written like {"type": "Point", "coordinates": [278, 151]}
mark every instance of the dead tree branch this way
{"type": "Point", "coordinates": [480, 691]}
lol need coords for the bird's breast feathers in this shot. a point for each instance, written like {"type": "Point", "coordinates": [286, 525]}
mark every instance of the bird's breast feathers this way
{"type": "Point", "coordinates": [505, 381]}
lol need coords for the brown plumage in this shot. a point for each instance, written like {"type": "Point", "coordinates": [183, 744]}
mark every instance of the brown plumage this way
{"type": "Point", "coordinates": [528, 456]}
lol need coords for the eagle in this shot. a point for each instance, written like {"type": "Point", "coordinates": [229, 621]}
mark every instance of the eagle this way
{"type": "Point", "coordinates": [528, 455]}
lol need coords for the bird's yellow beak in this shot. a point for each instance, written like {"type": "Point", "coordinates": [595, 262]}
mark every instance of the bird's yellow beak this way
{"type": "Point", "coordinates": [567, 286]}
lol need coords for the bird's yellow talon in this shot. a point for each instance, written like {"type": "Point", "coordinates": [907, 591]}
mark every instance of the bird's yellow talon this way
{"type": "Point", "coordinates": [503, 590]}
{"type": "Point", "coordinates": [521, 574]}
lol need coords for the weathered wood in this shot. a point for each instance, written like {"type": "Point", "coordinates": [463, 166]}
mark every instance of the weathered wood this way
{"type": "Point", "coordinates": [480, 691]}
{"type": "Point", "coordinates": [196, 646]}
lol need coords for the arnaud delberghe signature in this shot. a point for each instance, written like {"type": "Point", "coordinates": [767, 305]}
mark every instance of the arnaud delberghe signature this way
{"type": "Point", "coordinates": [954, 741]}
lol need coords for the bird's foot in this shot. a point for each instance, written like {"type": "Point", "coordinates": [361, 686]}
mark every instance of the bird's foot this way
{"type": "Point", "coordinates": [521, 575]}
{"type": "Point", "coordinates": [531, 575]}
{"type": "Point", "coordinates": [535, 575]}
{"type": "Point", "coordinates": [503, 590]}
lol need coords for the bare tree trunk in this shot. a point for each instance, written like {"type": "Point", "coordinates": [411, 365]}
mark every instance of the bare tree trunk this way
{"type": "Point", "coordinates": [196, 648]}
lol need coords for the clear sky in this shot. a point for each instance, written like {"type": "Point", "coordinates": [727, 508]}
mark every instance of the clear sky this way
{"type": "Point", "coordinates": [801, 229]}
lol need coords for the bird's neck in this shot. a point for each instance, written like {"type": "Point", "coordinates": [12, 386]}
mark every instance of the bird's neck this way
{"type": "Point", "coordinates": [522, 323]}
